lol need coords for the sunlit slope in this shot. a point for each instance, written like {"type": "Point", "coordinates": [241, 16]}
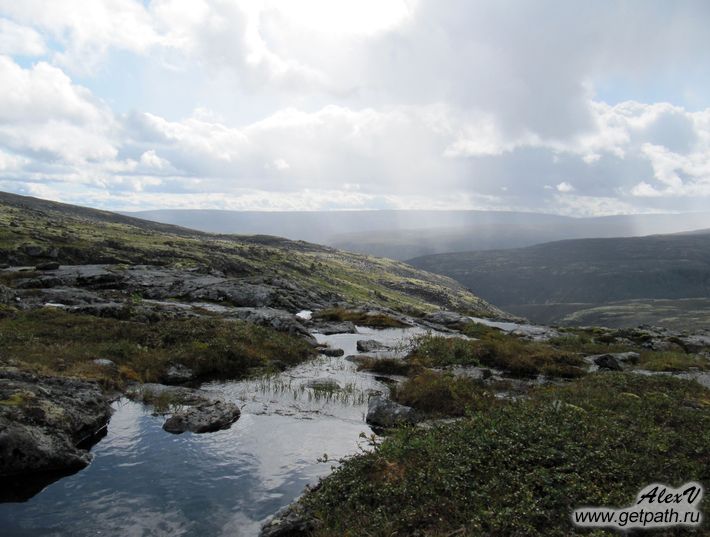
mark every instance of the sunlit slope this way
{"type": "Point", "coordinates": [34, 231]}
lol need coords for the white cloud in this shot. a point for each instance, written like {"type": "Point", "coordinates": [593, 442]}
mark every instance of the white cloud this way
{"type": "Point", "coordinates": [386, 103]}
{"type": "Point", "coordinates": [41, 111]}
{"type": "Point", "coordinates": [19, 40]}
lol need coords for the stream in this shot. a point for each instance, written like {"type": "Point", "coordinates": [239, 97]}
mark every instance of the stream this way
{"type": "Point", "coordinates": [146, 482]}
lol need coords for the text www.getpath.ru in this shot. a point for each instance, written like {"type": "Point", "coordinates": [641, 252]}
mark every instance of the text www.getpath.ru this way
{"type": "Point", "coordinates": [642, 518]}
{"type": "Point", "coordinates": [657, 506]}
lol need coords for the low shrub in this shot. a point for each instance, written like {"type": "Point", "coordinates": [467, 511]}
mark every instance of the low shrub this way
{"type": "Point", "coordinates": [361, 318]}
{"type": "Point", "coordinates": [443, 394]}
{"type": "Point", "coordinates": [522, 468]}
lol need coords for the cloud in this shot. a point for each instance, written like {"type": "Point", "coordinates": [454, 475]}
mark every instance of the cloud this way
{"type": "Point", "coordinates": [19, 40]}
{"type": "Point", "coordinates": [387, 103]}
{"type": "Point", "coordinates": [43, 114]}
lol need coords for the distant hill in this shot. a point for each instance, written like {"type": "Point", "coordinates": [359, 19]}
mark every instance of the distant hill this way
{"type": "Point", "coordinates": [552, 281]}
{"type": "Point", "coordinates": [406, 234]}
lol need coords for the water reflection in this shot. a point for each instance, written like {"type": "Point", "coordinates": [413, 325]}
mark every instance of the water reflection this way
{"type": "Point", "coordinates": [145, 482]}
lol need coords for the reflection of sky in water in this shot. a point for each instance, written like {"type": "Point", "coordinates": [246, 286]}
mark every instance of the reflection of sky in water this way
{"type": "Point", "coordinates": [146, 482]}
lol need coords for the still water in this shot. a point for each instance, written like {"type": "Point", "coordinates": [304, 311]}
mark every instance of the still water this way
{"type": "Point", "coordinates": [146, 482]}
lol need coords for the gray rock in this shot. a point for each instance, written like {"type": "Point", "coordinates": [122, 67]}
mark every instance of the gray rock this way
{"type": "Point", "coordinates": [178, 374]}
{"type": "Point", "coordinates": [370, 345]}
{"type": "Point", "coordinates": [607, 361]}
{"type": "Point", "coordinates": [176, 394]}
{"type": "Point", "coordinates": [385, 413]}
{"type": "Point", "coordinates": [43, 419]}
{"type": "Point", "coordinates": [205, 417]}
{"type": "Point", "coordinates": [332, 352]}
{"type": "Point", "coordinates": [446, 318]}
{"type": "Point", "coordinates": [694, 344]}
{"type": "Point", "coordinates": [52, 265]}
{"type": "Point", "coordinates": [291, 521]}
{"type": "Point", "coordinates": [7, 295]}
{"type": "Point", "coordinates": [104, 362]}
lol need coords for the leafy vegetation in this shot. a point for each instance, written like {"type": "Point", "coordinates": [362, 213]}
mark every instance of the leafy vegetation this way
{"type": "Point", "coordinates": [513, 355]}
{"type": "Point", "coordinates": [361, 318]}
{"type": "Point", "coordinates": [521, 468]}
{"type": "Point", "coordinates": [385, 366]}
{"type": "Point", "coordinates": [53, 340]}
{"type": "Point", "coordinates": [443, 394]}
{"type": "Point", "coordinates": [672, 361]}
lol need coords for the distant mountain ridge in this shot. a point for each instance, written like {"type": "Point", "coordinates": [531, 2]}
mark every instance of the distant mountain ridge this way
{"type": "Point", "coordinates": [407, 234]}
{"type": "Point", "coordinates": [584, 270]}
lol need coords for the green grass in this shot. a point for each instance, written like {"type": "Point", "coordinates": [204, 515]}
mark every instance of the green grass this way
{"type": "Point", "coordinates": [56, 341]}
{"type": "Point", "coordinates": [441, 394]}
{"type": "Point", "coordinates": [672, 361]}
{"type": "Point", "coordinates": [513, 355]}
{"type": "Point", "coordinates": [374, 320]}
{"type": "Point", "coordinates": [520, 469]}
{"type": "Point", "coordinates": [385, 366]}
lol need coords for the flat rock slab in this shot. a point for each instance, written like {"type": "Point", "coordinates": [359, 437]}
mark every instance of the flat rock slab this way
{"type": "Point", "coordinates": [205, 417]}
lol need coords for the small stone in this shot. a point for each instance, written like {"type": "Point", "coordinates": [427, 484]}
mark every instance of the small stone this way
{"type": "Point", "coordinates": [52, 265]}
{"type": "Point", "coordinates": [370, 345]}
{"type": "Point", "coordinates": [104, 362]}
{"type": "Point", "coordinates": [332, 352]}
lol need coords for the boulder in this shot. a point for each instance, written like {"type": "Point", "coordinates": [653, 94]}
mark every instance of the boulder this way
{"type": "Point", "coordinates": [206, 417]}
{"type": "Point", "coordinates": [52, 265]}
{"type": "Point", "coordinates": [385, 413]}
{"type": "Point", "coordinates": [332, 352]}
{"type": "Point", "coordinates": [607, 361]}
{"type": "Point", "coordinates": [370, 345]}
{"type": "Point", "coordinates": [44, 420]}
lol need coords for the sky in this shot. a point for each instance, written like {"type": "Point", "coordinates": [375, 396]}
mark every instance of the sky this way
{"type": "Point", "coordinates": [579, 107]}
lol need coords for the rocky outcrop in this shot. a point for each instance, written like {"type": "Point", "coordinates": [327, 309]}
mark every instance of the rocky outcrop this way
{"type": "Point", "coordinates": [385, 413]}
{"type": "Point", "coordinates": [205, 417]}
{"type": "Point", "coordinates": [447, 318]}
{"type": "Point", "coordinates": [48, 423]}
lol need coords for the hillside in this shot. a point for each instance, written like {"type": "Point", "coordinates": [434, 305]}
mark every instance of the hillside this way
{"type": "Point", "coordinates": [407, 234]}
{"type": "Point", "coordinates": [569, 276]}
{"type": "Point", "coordinates": [294, 274]}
